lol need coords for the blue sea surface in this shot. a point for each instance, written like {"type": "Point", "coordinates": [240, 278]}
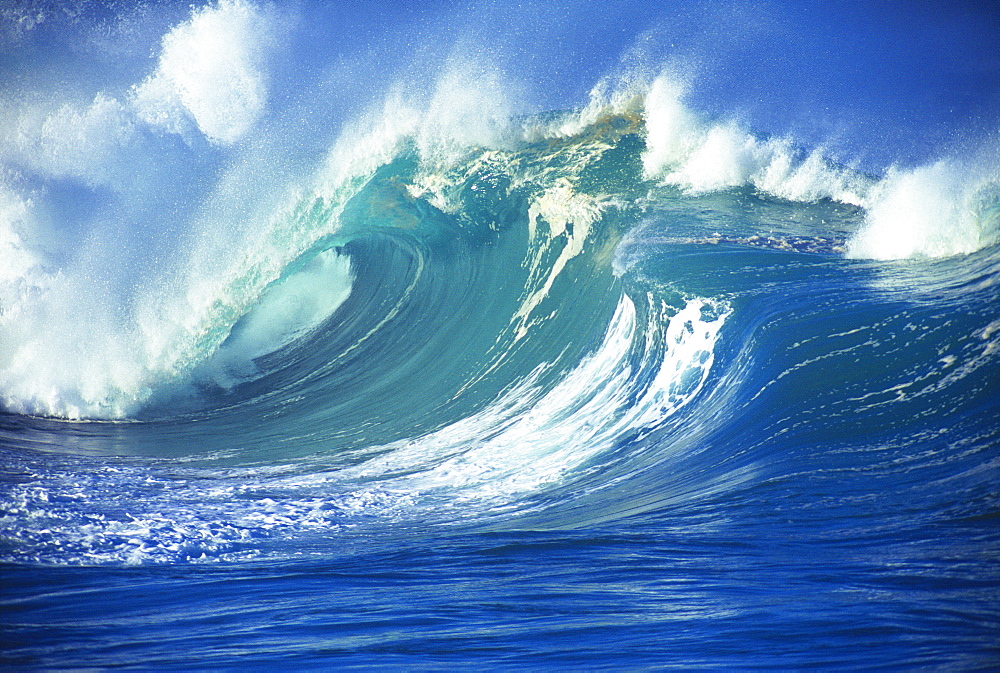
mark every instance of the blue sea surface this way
{"type": "Point", "coordinates": [568, 335]}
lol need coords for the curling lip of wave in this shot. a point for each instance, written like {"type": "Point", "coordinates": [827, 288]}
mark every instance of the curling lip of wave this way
{"type": "Point", "coordinates": [944, 209]}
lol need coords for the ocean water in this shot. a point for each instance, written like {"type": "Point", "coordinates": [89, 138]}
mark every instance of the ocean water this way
{"type": "Point", "coordinates": [570, 335]}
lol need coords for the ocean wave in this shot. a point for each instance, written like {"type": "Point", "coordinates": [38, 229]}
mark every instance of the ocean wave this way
{"type": "Point", "coordinates": [231, 293]}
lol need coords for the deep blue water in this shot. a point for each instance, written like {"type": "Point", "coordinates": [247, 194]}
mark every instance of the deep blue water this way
{"type": "Point", "coordinates": [576, 335]}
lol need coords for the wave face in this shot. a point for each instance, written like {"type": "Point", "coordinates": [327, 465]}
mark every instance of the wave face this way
{"type": "Point", "coordinates": [312, 353]}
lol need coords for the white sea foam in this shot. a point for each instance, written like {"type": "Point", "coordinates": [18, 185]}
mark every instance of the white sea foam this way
{"type": "Point", "coordinates": [620, 95]}
{"type": "Point", "coordinates": [528, 438]}
{"type": "Point", "coordinates": [99, 365]}
{"type": "Point", "coordinates": [468, 106]}
{"type": "Point", "coordinates": [24, 278]}
{"type": "Point", "coordinates": [946, 208]}
{"type": "Point", "coordinates": [368, 142]}
{"type": "Point", "coordinates": [210, 79]}
{"type": "Point", "coordinates": [701, 156]}
{"type": "Point", "coordinates": [84, 343]}
{"type": "Point", "coordinates": [23, 267]}
{"type": "Point", "coordinates": [87, 365]}
{"type": "Point", "coordinates": [568, 217]}
{"type": "Point", "coordinates": [212, 67]}
{"type": "Point", "coordinates": [471, 107]}
{"type": "Point", "coordinates": [672, 130]}
{"type": "Point", "coordinates": [91, 143]}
